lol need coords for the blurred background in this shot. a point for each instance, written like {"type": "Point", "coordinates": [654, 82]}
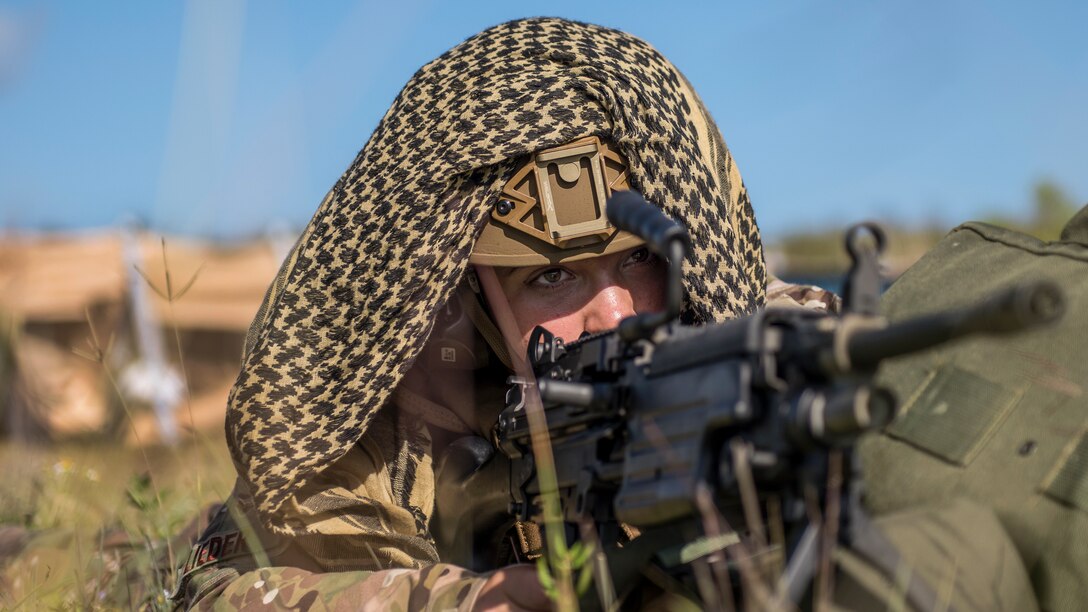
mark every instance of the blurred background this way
{"type": "Point", "coordinates": [157, 161]}
{"type": "Point", "coordinates": [198, 137]}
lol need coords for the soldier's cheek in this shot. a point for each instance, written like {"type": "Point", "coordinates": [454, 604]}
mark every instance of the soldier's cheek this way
{"type": "Point", "coordinates": [647, 286]}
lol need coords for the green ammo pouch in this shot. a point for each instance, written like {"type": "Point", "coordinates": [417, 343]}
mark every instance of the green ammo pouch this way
{"type": "Point", "coordinates": [1000, 421]}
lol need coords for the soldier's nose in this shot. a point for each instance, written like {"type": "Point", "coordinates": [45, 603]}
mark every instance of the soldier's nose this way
{"type": "Point", "coordinates": [611, 305]}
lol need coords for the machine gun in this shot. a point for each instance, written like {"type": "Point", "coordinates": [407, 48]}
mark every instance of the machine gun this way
{"type": "Point", "coordinates": [645, 418]}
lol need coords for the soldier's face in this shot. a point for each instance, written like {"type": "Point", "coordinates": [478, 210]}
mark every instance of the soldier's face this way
{"type": "Point", "coordinates": [591, 295]}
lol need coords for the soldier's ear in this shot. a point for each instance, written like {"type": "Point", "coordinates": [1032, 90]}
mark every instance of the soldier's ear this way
{"type": "Point", "coordinates": [477, 306]}
{"type": "Point", "coordinates": [455, 342]}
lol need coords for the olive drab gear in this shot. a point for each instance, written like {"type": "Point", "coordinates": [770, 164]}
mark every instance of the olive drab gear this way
{"type": "Point", "coordinates": [950, 555]}
{"type": "Point", "coordinates": [1001, 423]}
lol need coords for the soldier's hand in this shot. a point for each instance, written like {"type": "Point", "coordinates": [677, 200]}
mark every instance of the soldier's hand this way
{"type": "Point", "coordinates": [513, 589]}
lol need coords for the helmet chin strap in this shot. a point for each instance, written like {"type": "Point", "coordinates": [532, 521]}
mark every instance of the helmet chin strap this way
{"type": "Point", "coordinates": [504, 319]}
{"type": "Point", "coordinates": [471, 296]}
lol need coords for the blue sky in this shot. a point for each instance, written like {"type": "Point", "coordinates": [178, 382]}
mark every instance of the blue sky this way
{"type": "Point", "coordinates": [230, 118]}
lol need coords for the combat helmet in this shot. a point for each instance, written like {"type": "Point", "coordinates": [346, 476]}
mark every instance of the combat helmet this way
{"type": "Point", "coordinates": [550, 211]}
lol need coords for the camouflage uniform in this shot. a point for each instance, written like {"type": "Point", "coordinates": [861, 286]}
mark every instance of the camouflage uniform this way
{"type": "Point", "coordinates": [781, 294]}
{"type": "Point", "coordinates": [367, 542]}
{"type": "Point", "coordinates": [437, 587]}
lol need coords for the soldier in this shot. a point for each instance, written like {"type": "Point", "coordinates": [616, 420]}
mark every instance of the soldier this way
{"type": "Point", "coordinates": [478, 203]}
{"type": "Point", "coordinates": [481, 189]}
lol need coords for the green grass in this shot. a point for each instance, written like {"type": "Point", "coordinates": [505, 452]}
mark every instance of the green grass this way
{"type": "Point", "coordinates": [100, 517]}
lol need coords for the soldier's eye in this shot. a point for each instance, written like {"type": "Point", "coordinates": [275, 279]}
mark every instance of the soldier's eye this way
{"type": "Point", "coordinates": [640, 255]}
{"type": "Point", "coordinates": [550, 278]}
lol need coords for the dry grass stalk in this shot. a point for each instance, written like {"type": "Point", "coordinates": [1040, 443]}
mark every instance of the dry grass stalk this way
{"type": "Point", "coordinates": [717, 561]}
{"type": "Point", "coordinates": [606, 591]}
{"type": "Point", "coordinates": [167, 293]}
{"type": "Point", "coordinates": [558, 554]}
{"type": "Point", "coordinates": [98, 354]}
{"type": "Point", "coordinates": [830, 531]}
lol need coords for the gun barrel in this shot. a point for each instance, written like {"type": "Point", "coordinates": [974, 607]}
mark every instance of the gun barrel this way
{"type": "Point", "coordinates": [584, 395]}
{"type": "Point", "coordinates": [1018, 308]}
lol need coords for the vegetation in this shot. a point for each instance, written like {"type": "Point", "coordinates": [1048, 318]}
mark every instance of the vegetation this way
{"type": "Point", "coordinates": [95, 524]}
{"type": "Point", "coordinates": [1051, 209]}
{"type": "Point", "coordinates": [97, 520]}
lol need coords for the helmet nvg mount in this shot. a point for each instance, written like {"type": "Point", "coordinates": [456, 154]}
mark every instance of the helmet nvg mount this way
{"type": "Point", "coordinates": [553, 208]}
